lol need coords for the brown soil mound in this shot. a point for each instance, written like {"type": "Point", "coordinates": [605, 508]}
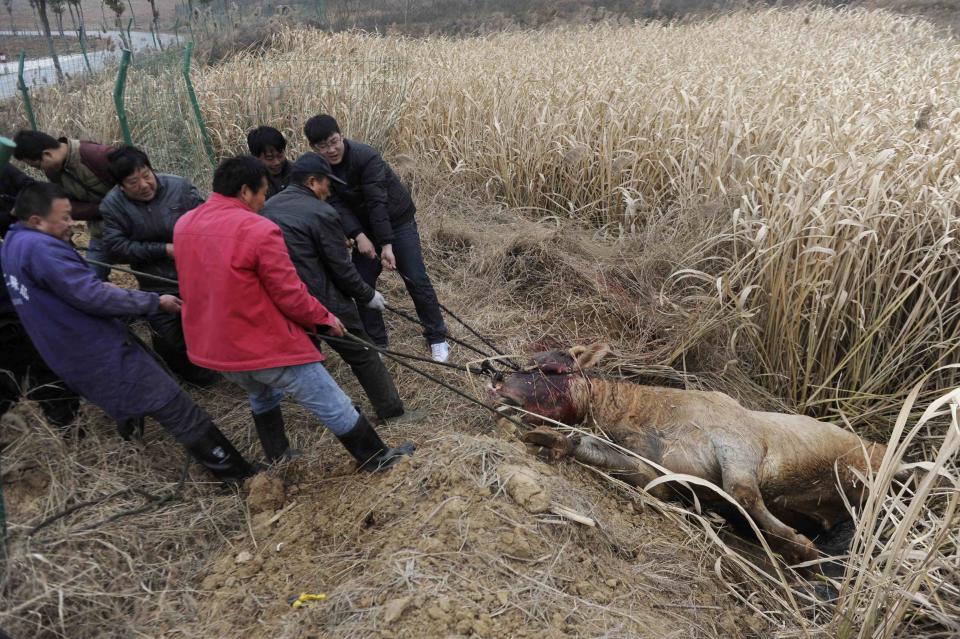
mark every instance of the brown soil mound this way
{"type": "Point", "coordinates": [437, 547]}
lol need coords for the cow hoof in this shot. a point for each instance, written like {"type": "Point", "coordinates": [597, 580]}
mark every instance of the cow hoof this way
{"type": "Point", "coordinates": [800, 550]}
{"type": "Point", "coordinates": [557, 445]}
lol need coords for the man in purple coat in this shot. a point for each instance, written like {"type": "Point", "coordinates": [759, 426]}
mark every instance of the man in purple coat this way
{"type": "Point", "coordinates": [22, 370]}
{"type": "Point", "coordinates": [73, 319]}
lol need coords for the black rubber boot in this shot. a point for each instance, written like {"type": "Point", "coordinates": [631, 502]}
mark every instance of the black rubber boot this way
{"type": "Point", "coordinates": [215, 453]}
{"type": "Point", "coordinates": [273, 436]}
{"type": "Point", "coordinates": [363, 442]}
{"type": "Point", "coordinates": [131, 428]}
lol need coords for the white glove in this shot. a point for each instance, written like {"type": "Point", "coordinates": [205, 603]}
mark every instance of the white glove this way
{"type": "Point", "coordinates": [378, 303]}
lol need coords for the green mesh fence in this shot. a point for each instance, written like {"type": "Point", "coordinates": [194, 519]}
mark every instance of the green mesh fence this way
{"type": "Point", "coordinates": [366, 95]}
{"type": "Point", "coordinates": [161, 119]}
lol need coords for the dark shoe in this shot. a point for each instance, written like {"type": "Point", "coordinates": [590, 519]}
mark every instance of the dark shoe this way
{"type": "Point", "coordinates": [273, 436]}
{"type": "Point", "coordinates": [215, 453]}
{"type": "Point", "coordinates": [363, 442]}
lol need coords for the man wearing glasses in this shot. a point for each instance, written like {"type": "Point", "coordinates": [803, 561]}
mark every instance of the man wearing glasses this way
{"type": "Point", "coordinates": [378, 213]}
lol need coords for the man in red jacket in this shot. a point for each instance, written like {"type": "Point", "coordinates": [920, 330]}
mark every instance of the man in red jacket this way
{"type": "Point", "coordinates": [246, 313]}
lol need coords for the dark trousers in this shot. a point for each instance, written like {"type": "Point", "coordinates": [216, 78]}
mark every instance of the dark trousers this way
{"type": "Point", "coordinates": [371, 373]}
{"type": "Point", "coordinates": [406, 248]}
{"type": "Point", "coordinates": [170, 345]}
{"type": "Point", "coordinates": [22, 369]}
{"type": "Point", "coordinates": [183, 419]}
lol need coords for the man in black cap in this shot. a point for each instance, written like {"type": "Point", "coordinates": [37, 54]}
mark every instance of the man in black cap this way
{"type": "Point", "coordinates": [314, 235]}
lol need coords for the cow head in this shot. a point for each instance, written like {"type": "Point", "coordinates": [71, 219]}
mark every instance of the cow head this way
{"type": "Point", "coordinates": [546, 387]}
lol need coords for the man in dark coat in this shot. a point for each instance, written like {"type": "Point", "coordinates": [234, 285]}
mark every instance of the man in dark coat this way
{"type": "Point", "coordinates": [138, 217]}
{"type": "Point", "coordinates": [21, 367]}
{"type": "Point", "coordinates": [247, 313]}
{"type": "Point", "coordinates": [378, 213]}
{"type": "Point", "coordinates": [74, 321]}
{"type": "Point", "coordinates": [268, 145]}
{"type": "Point", "coordinates": [80, 168]}
{"type": "Point", "coordinates": [314, 236]}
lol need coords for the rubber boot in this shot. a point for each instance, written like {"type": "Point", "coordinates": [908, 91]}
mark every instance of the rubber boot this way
{"type": "Point", "coordinates": [363, 442]}
{"type": "Point", "coordinates": [215, 453]}
{"type": "Point", "coordinates": [131, 429]}
{"type": "Point", "coordinates": [273, 436]}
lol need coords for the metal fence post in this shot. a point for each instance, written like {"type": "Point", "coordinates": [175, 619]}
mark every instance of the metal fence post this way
{"type": "Point", "coordinates": [82, 36]}
{"type": "Point", "coordinates": [187, 57]}
{"type": "Point", "coordinates": [22, 85]}
{"type": "Point", "coordinates": [118, 93]}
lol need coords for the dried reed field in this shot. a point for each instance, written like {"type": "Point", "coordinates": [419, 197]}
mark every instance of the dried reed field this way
{"type": "Point", "coordinates": [763, 203]}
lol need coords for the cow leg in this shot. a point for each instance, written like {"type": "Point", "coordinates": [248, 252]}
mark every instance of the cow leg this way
{"type": "Point", "coordinates": [596, 452]}
{"type": "Point", "coordinates": [557, 445]}
{"type": "Point", "coordinates": [794, 547]}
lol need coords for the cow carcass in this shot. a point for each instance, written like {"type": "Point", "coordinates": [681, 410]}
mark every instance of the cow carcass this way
{"type": "Point", "coordinates": [782, 469]}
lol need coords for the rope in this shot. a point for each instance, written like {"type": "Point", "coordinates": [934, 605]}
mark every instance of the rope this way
{"type": "Point", "coordinates": [153, 502]}
{"type": "Point", "coordinates": [446, 310]}
{"type": "Point", "coordinates": [486, 356]}
{"type": "Point", "coordinates": [486, 366]}
{"type": "Point", "coordinates": [416, 358]}
{"type": "Point", "coordinates": [124, 269]}
{"type": "Point", "coordinates": [433, 379]}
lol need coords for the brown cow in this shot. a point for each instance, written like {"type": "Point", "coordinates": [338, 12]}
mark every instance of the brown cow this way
{"type": "Point", "coordinates": [778, 467]}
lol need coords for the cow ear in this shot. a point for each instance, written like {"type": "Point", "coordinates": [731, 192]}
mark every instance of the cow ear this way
{"type": "Point", "coordinates": [588, 356]}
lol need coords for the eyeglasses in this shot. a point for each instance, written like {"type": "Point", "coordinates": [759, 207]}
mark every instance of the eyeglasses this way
{"type": "Point", "coordinates": [332, 142]}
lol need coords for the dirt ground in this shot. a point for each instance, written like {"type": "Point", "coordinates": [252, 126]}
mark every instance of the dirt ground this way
{"type": "Point", "coordinates": [436, 553]}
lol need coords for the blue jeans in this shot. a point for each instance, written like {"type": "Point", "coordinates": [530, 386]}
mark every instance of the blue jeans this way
{"type": "Point", "coordinates": [310, 385]}
{"type": "Point", "coordinates": [406, 248]}
{"type": "Point", "coordinates": [97, 251]}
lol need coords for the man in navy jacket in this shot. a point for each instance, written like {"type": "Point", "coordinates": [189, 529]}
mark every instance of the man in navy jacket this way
{"type": "Point", "coordinates": [73, 319]}
{"type": "Point", "coordinates": [22, 370]}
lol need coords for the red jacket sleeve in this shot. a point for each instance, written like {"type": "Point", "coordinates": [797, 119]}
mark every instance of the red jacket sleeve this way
{"type": "Point", "coordinates": [284, 286]}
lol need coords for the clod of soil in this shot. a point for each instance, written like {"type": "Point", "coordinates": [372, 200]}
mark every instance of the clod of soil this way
{"type": "Point", "coordinates": [526, 488]}
{"type": "Point", "coordinates": [266, 493]}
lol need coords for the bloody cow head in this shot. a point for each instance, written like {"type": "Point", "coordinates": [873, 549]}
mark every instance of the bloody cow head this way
{"type": "Point", "coordinates": [545, 389]}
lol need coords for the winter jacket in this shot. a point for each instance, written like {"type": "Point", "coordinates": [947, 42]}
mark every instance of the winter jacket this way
{"type": "Point", "coordinates": [73, 320]}
{"type": "Point", "coordinates": [277, 183]}
{"type": "Point", "coordinates": [244, 307]}
{"type": "Point", "coordinates": [85, 176]}
{"type": "Point", "coordinates": [136, 233]}
{"type": "Point", "coordinates": [374, 201]}
{"type": "Point", "coordinates": [314, 235]}
{"type": "Point", "coordinates": [12, 181]}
